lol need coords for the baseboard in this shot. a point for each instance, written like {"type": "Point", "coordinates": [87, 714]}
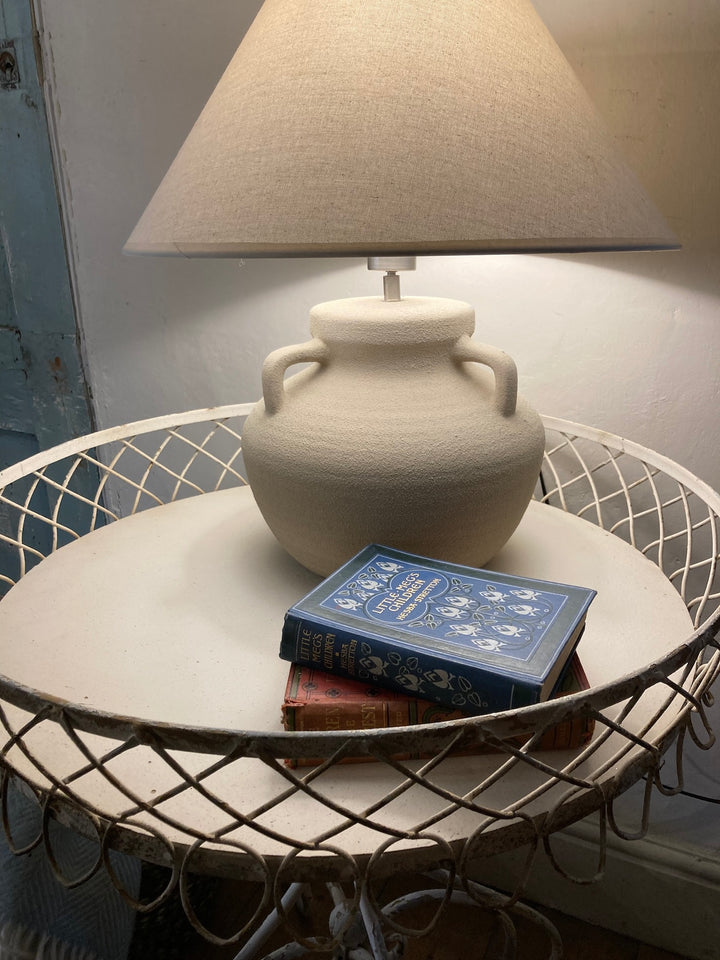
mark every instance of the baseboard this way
{"type": "Point", "coordinates": [664, 895]}
{"type": "Point", "coordinates": [20, 943]}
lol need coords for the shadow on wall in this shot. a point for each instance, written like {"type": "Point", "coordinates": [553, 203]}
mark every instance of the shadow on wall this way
{"type": "Point", "coordinates": [193, 288]}
{"type": "Point", "coordinates": [694, 270]}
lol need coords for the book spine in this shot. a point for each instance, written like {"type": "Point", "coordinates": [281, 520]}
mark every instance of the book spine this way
{"type": "Point", "coordinates": [569, 734]}
{"type": "Point", "coordinates": [359, 715]}
{"type": "Point", "coordinates": [373, 659]}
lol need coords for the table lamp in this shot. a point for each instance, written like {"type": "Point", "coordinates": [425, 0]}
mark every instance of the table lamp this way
{"type": "Point", "coordinates": [389, 129]}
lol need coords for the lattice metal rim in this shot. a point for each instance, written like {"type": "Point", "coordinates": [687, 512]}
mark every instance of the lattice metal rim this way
{"type": "Point", "coordinates": [433, 735]}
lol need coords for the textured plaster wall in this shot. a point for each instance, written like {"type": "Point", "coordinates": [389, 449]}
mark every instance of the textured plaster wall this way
{"type": "Point", "coordinates": [629, 343]}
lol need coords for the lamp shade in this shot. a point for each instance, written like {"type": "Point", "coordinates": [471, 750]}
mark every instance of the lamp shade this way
{"type": "Point", "coordinates": [397, 127]}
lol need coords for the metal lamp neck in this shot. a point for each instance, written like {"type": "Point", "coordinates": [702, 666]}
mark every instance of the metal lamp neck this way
{"type": "Point", "coordinates": [391, 266]}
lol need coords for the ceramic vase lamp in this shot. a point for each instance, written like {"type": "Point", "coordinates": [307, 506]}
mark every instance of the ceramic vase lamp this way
{"type": "Point", "coordinates": [389, 129]}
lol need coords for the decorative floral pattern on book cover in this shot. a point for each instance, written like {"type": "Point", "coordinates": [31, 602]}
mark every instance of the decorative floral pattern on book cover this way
{"type": "Point", "coordinates": [473, 639]}
{"type": "Point", "coordinates": [473, 610]}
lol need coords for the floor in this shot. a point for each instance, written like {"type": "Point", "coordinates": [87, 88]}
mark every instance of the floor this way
{"type": "Point", "coordinates": [462, 933]}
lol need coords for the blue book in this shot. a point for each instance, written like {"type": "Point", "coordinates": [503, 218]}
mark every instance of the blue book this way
{"type": "Point", "coordinates": [472, 639]}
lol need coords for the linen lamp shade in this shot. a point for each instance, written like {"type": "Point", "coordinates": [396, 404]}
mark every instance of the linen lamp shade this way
{"type": "Point", "coordinates": [397, 127]}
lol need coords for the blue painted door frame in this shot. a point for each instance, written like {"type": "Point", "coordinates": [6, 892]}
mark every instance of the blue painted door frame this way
{"type": "Point", "coordinates": [43, 392]}
{"type": "Point", "coordinates": [43, 401]}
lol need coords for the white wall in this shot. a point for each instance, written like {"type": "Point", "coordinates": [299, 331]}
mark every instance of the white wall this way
{"type": "Point", "coordinates": [629, 343]}
{"type": "Point", "coordinates": [624, 342]}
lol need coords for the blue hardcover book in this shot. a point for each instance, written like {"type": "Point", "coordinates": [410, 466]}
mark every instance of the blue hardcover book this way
{"type": "Point", "coordinates": [476, 640]}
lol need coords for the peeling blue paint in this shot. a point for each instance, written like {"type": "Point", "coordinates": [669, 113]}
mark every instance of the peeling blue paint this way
{"type": "Point", "coordinates": [43, 392]}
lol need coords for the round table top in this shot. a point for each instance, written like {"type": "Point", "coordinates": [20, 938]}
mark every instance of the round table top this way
{"type": "Point", "coordinates": [173, 616]}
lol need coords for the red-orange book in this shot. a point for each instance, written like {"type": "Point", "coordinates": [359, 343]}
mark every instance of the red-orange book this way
{"type": "Point", "coordinates": [315, 701]}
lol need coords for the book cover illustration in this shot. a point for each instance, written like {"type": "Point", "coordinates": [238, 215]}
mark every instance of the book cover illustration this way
{"type": "Point", "coordinates": [315, 701]}
{"type": "Point", "coordinates": [474, 639]}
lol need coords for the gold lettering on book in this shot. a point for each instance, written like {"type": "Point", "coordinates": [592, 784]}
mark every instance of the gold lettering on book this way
{"type": "Point", "coordinates": [305, 637]}
{"type": "Point", "coordinates": [403, 592]}
{"type": "Point", "coordinates": [332, 718]}
{"type": "Point", "coordinates": [368, 716]}
{"type": "Point", "coordinates": [328, 648]}
{"type": "Point", "coordinates": [418, 599]}
{"type": "Point", "coordinates": [406, 596]}
{"type": "Point", "coordinates": [347, 656]}
{"type": "Point", "coordinates": [317, 647]}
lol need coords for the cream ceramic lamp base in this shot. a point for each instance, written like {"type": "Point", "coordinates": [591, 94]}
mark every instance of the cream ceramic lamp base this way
{"type": "Point", "coordinates": [403, 431]}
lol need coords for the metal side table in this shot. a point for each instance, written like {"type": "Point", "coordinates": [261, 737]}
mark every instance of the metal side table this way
{"type": "Point", "coordinates": [141, 689]}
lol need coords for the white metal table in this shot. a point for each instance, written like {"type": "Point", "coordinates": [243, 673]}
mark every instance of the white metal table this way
{"type": "Point", "coordinates": [141, 689]}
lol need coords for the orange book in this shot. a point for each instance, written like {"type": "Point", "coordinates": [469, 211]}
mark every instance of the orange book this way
{"type": "Point", "coordinates": [315, 701]}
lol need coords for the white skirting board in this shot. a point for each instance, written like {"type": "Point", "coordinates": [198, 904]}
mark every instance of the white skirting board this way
{"type": "Point", "coordinates": [664, 895]}
{"type": "Point", "coordinates": [19, 943]}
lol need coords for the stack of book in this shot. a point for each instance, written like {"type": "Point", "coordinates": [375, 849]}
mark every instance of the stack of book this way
{"type": "Point", "coordinates": [392, 639]}
{"type": "Point", "coordinates": [315, 701]}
